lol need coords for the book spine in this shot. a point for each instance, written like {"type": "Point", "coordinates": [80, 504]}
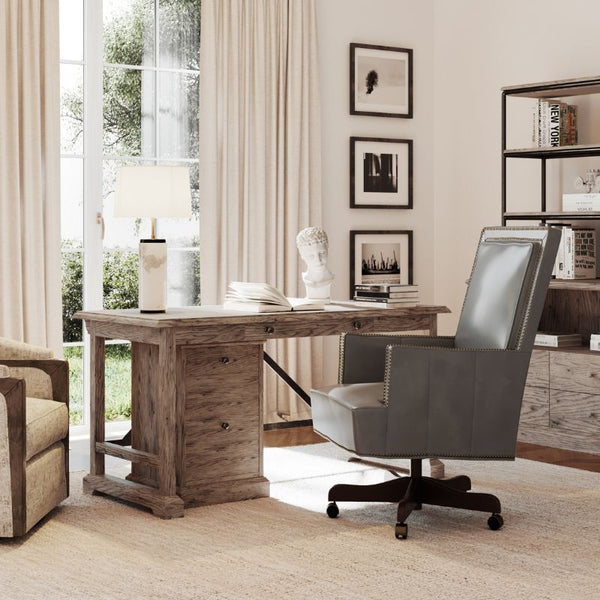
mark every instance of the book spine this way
{"type": "Point", "coordinates": [581, 202]}
{"type": "Point", "coordinates": [584, 253]}
{"type": "Point", "coordinates": [535, 129]}
{"type": "Point", "coordinates": [385, 300]}
{"type": "Point", "coordinates": [546, 340]}
{"type": "Point", "coordinates": [369, 294]}
{"type": "Point", "coordinates": [564, 124]}
{"type": "Point", "coordinates": [544, 123]}
{"type": "Point", "coordinates": [554, 123]}
{"type": "Point", "coordinates": [569, 257]}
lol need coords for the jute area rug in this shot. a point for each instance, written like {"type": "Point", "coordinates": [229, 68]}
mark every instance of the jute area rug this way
{"type": "Point", "coordinates": [284, 547]}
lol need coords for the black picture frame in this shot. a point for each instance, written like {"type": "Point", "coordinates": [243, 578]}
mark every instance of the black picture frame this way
{"type": "Point", "coordinates": [381, 81]}
{"type": "Point", "coordinates": [381, 173]}
{"type": "Point", "coordinates": [386, 245]}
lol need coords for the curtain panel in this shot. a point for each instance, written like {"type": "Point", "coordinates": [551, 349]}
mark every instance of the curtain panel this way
{"type": "Point", "coordinates": [260, 163]}
{"type": "Point", "coordinates": [30, 272]}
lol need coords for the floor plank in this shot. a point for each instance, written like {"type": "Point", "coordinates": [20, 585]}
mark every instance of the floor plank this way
{"type": "Point", "coordinates": [300, 436]}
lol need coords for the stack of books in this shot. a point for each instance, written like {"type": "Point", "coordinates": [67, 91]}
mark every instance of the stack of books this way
{"type": "Point", "coordinates": [554, 124]}
{"type": "Point", "coordinates": [386, 295]}
{"type": "Point", "coordinates": [576, 256]}
{"type": "Point", "coordinates": [557, 340]}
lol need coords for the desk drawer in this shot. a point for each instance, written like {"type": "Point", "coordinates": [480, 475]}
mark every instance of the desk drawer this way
{"type": "Point", "coordinates": [278, 328]}
{"type": "Point", "coordinates": [222, 439]}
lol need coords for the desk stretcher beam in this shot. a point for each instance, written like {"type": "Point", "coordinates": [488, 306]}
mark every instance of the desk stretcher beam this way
{"type": "Point", "coordinates": [165, 507]}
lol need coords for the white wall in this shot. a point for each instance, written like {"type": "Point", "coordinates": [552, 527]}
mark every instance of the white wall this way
{"type": "Point", "coordinates": [479, 47]}
{"type": "Point", "coordinates": [400, 23]}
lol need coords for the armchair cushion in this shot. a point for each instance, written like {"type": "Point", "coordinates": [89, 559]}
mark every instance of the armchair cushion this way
{"type": "Point", "coordinates": [46, 483]}
{"type": "Point", "coordinates": [47, 422]}
{"type": "Point", "coordinates": [353, 415]}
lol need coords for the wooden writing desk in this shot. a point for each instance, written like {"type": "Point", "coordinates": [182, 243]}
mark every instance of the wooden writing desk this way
{"type": "Point", "coordinates": [197, 380]}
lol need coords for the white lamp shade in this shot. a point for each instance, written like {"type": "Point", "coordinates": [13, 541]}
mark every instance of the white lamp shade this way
{"type": "Point", "coordinates": [153, 191]}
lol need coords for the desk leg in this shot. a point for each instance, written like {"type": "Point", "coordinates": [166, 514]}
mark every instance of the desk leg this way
{"type": "Point", "coordinates": [97, 411]}
{"type": "Point", "coordinates": [433, 325]}
{"type": "Point", "coordinates": [167, 414]}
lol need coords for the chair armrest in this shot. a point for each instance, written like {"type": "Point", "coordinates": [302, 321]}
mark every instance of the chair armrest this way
{"type": "Point", "coordinates": [12, 349]}
{"type": "Point", "coordinates": [362, 356]}
{"type": "Point", "coordinates": [453, 402]}
{"type": "Point", "coordinates": [57, 370]}
{"type": "Point", "coordinates": [12, 430]}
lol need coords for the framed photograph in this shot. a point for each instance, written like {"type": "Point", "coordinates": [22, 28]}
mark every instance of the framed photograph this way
{"type": "Point", "coordinates": [381, 173]}
{"type": "Point", "coordinates": [381, 81]}
{"type": "Point", "coordinates": [378, 257]}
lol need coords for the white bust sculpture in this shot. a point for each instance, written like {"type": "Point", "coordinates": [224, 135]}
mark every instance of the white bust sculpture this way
{"type": "Point", "coordinates": [312, 244]}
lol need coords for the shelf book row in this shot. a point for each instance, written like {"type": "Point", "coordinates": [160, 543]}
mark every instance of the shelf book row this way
{"type": "Point", "coordinates": [386, 295]}
{"type": "Point", "coordinates": [554, 124]}
{"type": "Point", "coordinates": [576, 257]}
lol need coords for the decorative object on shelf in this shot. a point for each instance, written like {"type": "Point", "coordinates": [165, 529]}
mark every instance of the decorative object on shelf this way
{"type": "Point", "coordinates": [153, 191]}
{"type": "Point", "coordinates": [380, 257]}
{"type": "Point", "coordinates": [313, 247]}
{"type": "Point", "coordinates": [554, 124]}
{"type": "Point", "coordinates": [381, 173]}
{"type": "Point", "coordinates": [589, 183]}
{"type": "Point", "coordinates": [381, 81]}
{"type": "Point", "coordinates": [581, 202]}
{"type": "Point", "coordinates": [576, 257]}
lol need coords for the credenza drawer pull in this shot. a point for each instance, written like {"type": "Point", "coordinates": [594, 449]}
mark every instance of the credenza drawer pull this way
{"type": "Point", "coordinates": [224, 359]}
{"type": "Point", "coordinates": [225, 426]}
{"type": "Point", "coordinates": [269, 329]}
{"type": "Point", "coordinates": [356, 325]}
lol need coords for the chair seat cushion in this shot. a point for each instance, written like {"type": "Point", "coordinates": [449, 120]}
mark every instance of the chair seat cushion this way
{"type": "Point", "coordinates": [352, 415]}
{"type": "Point", "coordinates": [47, 421]}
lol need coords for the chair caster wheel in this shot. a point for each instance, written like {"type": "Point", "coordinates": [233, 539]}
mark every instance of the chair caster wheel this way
{"type": "Point", "coordinates": [495, 522]}
{"type": "Point", "coordinates": [332, 510]}
{"type": "Point", "coordinates": [401, 531]}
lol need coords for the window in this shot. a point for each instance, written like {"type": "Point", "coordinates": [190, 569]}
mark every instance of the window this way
{"type": "Point", "coordinates": [129, 95]}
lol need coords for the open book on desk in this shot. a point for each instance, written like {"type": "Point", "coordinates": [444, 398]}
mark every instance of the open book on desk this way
{"type": "Point", "coordinates": [262, 297]}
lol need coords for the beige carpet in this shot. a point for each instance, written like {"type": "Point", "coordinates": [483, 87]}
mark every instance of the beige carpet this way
{"type": "Point", "coordinates": [284, 547]}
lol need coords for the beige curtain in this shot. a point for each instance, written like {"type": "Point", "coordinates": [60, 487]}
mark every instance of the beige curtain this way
{"type": "Point", "coordinates": [30, 275]}
{"type": "Point", "coordinates": [260, 162]}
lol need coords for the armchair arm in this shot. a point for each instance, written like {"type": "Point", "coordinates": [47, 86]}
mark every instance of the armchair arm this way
{"type": "Point", "coordinates": [453, 402]}
{"type": "Point", "coordinates": [44, 378]}
{"type": "Point", "coordinates": [21, 350]}
{"type": "Point", "coordinates": [362, 355]}
{"type": "Point", "coordinates": [12, 443]}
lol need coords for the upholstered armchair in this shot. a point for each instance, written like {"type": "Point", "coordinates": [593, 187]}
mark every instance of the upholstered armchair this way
{"type": "Point", "coordinates": [34, 435]}
{"type": "Point", "coordinates": [444, 397]}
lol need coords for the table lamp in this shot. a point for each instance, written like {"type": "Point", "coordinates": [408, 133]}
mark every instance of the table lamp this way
{"type": "Point", "coordinates": [153, 191]}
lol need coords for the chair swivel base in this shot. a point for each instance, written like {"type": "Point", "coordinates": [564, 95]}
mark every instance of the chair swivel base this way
{"type": "Point", "coordinates": [413, 491]}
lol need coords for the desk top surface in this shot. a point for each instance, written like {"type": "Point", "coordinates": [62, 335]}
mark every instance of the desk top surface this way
{"type": "Point", "coordinates": [213, 314]}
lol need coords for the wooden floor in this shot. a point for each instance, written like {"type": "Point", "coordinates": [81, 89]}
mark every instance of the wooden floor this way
{"type": "Point", "coordinates": [300, 436]}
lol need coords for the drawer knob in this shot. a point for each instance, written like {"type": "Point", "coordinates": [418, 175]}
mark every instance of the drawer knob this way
{"type": "Point", "coordinates": [224, 359]}
{"type": "Point", "coordinates": [225, 426]}
{"type": "Point", "coordinates": [356, 325]}
{"type": "Point", "coordinates": [269, 329]}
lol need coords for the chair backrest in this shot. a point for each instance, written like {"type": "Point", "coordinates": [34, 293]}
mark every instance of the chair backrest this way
{"type": "Point", "coordinates": [507, 287]}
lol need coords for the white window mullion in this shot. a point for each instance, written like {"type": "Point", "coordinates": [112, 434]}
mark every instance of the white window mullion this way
{"type": "Point", "coordinates": [93, 136]}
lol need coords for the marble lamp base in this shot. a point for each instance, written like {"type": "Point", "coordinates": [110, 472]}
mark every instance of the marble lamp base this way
{"type": "Point", "coordinates": [153, 276]}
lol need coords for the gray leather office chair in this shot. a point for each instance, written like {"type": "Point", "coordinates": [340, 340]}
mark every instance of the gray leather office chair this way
{"type": "Point", "coordinates": [444, 397]}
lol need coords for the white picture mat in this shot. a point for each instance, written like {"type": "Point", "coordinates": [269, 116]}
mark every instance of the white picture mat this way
{"type": "Point", "coordinates": [385, 240]}
{"type": "Point", "coordinates": [391, 93]}
{"type": "Point", "coordinates": [401, 197]}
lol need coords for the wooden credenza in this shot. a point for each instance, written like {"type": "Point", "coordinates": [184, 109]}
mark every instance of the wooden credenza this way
{"type": "Point", "coordinates": [197, 381]}
{"type": "Point", "coordinates": [561, 403]}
